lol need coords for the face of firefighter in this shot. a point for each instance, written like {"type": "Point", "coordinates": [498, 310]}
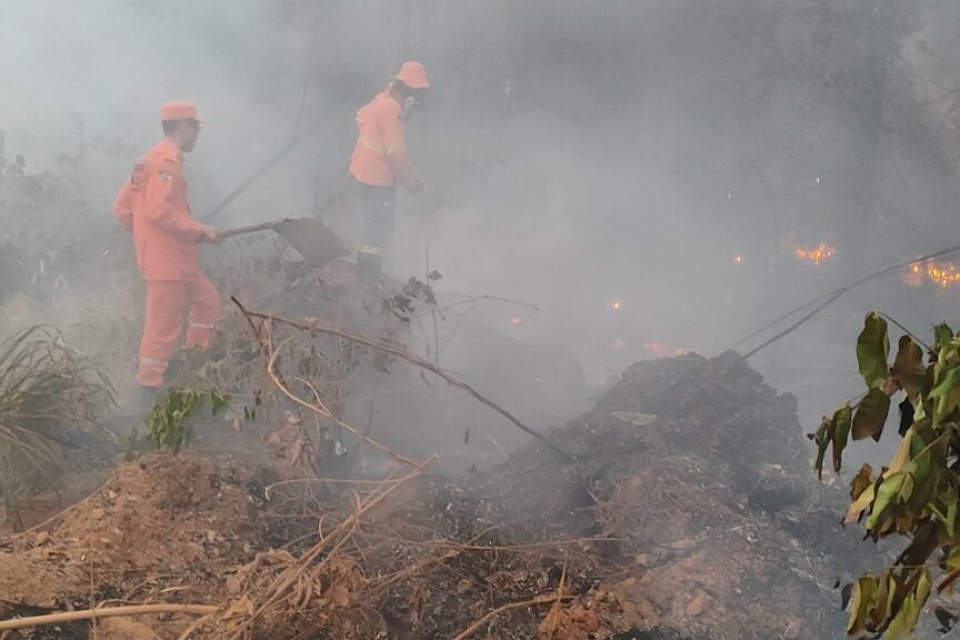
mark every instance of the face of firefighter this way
{"type": "Point", "coordinates": [187, 134]}
{"type": "Point", "coordinates": [411, 102]}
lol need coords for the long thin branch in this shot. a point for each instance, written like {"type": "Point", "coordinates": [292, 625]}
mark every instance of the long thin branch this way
{"type": "Point", "coordinates": [469, 631]}
{"type": "Point", "coordinates": [108, 612]}
{"type": "Point", "coordinates": [392, 349]}
{"type": "Point", "coordinates": [321, 408]}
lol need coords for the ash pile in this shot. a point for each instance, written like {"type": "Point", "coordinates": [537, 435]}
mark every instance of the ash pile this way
{"type": "Point", "coordinates": [692, 477]}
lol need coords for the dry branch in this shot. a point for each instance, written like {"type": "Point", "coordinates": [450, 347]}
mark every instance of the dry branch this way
{"type": "Point", "coordinates": [473, 628]}
{"type": "Point", "coordinates": [109, 612]}
{"type": "Point", "coordinates": [392, 349]}
{"type": "Point", "coordinates": [321, 408]}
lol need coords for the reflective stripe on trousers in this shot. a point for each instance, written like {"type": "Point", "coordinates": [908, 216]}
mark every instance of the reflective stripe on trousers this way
{"type": "Point", "coordinates": [167, 302]}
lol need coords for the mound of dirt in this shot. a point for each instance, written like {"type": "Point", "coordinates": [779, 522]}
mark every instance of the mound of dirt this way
{"type": "Point", "coordinates": [691, 475]}
{"type": "Point", "coordinates": [156, 516]}
{"type": "Point", "coordinates": [689, 511]}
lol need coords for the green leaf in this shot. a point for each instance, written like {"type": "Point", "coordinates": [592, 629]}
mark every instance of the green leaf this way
{"type": "Point", "coordinates": [947, 393]}
{"type": "Point", "coordinates": [908, 366]}
{"type": "Point", "coordinates": [885, 500]}
{"type": "Point", "coordinates": [840, 429]}
{"type": "Point", "coordinates": [871, 415]}
{"type": "Point", "coordinates": [873, 347]}
{"type": "Point", "coordinates": [943, 334]}
{"type": "Point", "coordinates": [822, 437]}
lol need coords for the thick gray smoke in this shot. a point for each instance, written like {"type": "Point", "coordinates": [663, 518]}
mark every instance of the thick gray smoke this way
{"type": "Point", "coordinates": [642, 172]}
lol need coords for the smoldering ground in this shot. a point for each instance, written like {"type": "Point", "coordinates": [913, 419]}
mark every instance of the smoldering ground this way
{"type": "Point", "coordinates": [641, 172]}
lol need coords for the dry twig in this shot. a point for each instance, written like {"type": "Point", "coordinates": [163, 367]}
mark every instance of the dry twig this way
{"type": "Point", "coordinates": [394, 350]}
{"type": "Point", "coordinates": [473, 628]}
{"type": "Point", "coordinates": [107, 612]}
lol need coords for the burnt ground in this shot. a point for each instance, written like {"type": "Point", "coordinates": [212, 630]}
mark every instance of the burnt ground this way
{"type": "Point", "coordinates": [688, 511]}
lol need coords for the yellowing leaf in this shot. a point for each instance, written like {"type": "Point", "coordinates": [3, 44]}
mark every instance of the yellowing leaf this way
{"type": "Point", "coordinates": [871, 415]}
{"type": "Point", "coordinates": [908, 368]}
{"type": "Point", "coordinates": [861, 482]}
{"type": "Point", "coordinates": [886, 495]}
{"type": "Point", "coordinates": [864, 599]}
{"type": "Point", "coordinates": [902, 456]}
{"type": "Point", "coordinates": [903, 624]}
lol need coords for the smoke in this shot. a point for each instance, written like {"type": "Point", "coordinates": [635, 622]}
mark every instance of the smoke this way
{"type": "Point", "coordinates": [667, 155]}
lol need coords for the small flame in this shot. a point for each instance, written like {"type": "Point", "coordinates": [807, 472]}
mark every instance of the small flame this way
{"type": "Point", "coordinates": [516, 321]}
{"type": "Point", "coordinates": [654, 346]}
{"type": "Point", "coordinates": [738, 258]}
{"type": "Point", "coordinates": [944, 274]}
{"type": "Point", "coordinates": [818, 254]}
{"type": "Point", "coordinates": [615, 305]}
{"type": "Point", "coordinates": [617, 345]}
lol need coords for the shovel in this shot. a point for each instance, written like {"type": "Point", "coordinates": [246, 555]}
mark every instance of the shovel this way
{"type": "Point", "coordinates": [310, 237]}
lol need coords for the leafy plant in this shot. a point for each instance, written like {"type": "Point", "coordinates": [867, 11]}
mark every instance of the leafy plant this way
{"type": "Point", "coordinates": [916, 494]}
{"type": "Point", "coordinates": [167, 420]}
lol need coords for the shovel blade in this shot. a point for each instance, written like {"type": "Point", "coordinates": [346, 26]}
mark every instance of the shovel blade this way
{"type": "Point", "coordinates": [312, 239]}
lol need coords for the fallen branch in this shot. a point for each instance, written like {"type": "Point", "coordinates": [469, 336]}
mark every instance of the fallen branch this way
{"type": "Point", "coordinates": [321, 408]}
{"type": "Point", "coordinates": [108, 612]}
{"type": "Point", "coordinates": [466, 633]}
{"type": "Point", "coordinates": [392, 349]}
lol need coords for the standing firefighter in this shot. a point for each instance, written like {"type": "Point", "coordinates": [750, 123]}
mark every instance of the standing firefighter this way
{"type": "Point", "coordinates": [152, 205]}
{"type": "Point", "coordinates": [380, 162]}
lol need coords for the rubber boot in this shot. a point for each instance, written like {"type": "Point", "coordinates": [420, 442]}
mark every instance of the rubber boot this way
{"type": "Point", "coordinates": [369, 270]}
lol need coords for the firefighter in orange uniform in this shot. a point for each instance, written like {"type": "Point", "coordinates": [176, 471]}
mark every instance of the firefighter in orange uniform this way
{"type": "Point", "coordinates": [152, 205]}
{"type": "Point", "coordinates": [380, 163]}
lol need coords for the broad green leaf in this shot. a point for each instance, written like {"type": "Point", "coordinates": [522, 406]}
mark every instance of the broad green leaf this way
{"type": "Point", "coordinates": [947, 394]}
{"type": "Point", "coordinates": [943, 334]}
{"type": "Point", "coordinates": [871, 415]}
{"type": "Point", "coordinates": [840, 429]}
{"type": "Point", "coordinates": [908, 366]}
{"type": "Point", "coordinates": [886, 496]}
{"type": "Point", "coordinates": [873, 347]}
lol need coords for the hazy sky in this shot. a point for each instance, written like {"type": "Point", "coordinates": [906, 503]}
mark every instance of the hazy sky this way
{"type": "Point", "coordinates": [586, 152]}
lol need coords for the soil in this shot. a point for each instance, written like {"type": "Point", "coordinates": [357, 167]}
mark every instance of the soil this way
{"type": "Point", "coordinates": [689, 510]}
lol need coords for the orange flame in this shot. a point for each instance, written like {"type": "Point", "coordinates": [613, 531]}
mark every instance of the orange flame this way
{"type": "Point", "coordinates": [738, 258]}
{"type": "Point", "coordinates": [818, 254]}
{"type": "Point", "coordinates": [616, 305]}
{"type": "Point", "coordinates": [944, 274]}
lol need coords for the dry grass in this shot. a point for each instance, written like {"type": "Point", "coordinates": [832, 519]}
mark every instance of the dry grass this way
{"type": "Point", "coordinates": [47, 390]}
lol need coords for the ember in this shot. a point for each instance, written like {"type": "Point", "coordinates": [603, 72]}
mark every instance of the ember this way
{"type": "Point", "coordinates": [944, 274]}
{"type": "Point", "coordinates": [818, 254]}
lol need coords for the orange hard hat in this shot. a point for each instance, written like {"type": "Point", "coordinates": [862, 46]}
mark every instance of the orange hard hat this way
{"type": "Point", "coordinates": [413, 75]}
{"type": "Point", "coordinates": [178, 111]}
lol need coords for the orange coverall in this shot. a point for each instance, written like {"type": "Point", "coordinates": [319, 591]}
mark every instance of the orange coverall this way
{"type": "Point", "coordinates": [152, 205]}
{"type": "Point", "coordinates": [381, 151]}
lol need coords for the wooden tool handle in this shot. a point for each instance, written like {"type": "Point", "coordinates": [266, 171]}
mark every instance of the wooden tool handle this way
{"type": "Point", "coordinates": [263, 226]}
